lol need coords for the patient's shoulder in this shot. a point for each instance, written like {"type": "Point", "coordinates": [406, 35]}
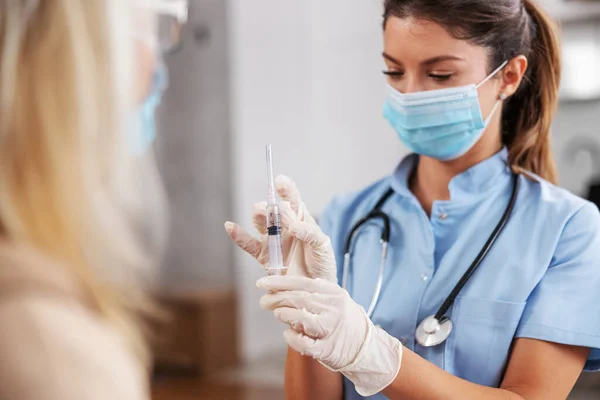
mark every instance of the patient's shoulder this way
{"type": "Point", "coordinates": [52, 345]}
{"type": "Point", "coordinates": [56, 349]}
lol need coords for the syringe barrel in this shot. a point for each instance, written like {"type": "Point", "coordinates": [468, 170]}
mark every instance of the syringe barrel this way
{"type": "Point", "coordinates": [273, 219]}
{"type": "Point", "coordinates": [276, 266]}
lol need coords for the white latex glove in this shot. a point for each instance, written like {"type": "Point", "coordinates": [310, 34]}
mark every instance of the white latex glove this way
{"type": "Point", "coordinates": [326, 324]}
{"type": "Point", "coordinates": [298, 257]}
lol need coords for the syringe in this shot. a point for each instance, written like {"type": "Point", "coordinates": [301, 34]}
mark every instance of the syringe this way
{"type": "Point", "coordinates": [276, 266]}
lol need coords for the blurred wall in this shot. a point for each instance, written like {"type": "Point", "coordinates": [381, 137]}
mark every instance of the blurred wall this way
{"type": "Point", "coordinates": [194, 152]}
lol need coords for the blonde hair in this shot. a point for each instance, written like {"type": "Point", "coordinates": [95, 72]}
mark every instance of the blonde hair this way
{"type": "Point", "coordinates": [68, 184]}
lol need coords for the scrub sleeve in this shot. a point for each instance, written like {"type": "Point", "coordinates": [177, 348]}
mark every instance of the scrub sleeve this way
{"type": "Point", "coordinates": [565, 306]}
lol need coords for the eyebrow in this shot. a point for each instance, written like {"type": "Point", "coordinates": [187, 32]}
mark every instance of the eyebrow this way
{"type": "Point", "coordinates": [428, 62]}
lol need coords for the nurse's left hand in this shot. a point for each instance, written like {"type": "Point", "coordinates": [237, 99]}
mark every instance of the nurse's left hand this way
{"type": "Point", "coordinates": [326, 324]}
{"type": "Point", "coordinates": [314, 259]}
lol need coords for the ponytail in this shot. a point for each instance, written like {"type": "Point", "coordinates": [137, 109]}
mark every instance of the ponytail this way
{"type": "Point", "coordinates": [528, 114]}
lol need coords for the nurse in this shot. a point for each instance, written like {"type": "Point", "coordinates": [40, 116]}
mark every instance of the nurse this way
{"type": "Point", "coordinates": [473, 90]}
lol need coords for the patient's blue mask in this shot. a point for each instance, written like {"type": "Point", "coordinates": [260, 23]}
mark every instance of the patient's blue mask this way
{"type": "Point", "coordinates": [143, 122]}
{"type": "Point", "coordinates": [443, 124]}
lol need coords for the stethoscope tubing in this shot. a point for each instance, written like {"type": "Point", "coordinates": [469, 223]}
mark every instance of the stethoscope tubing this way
{"type": "Point", "coordinates": [440, 315]}
{"type": "Point", "coordinates": [385, 237]}
{"type": "Point", "coordinates": [376, 213]}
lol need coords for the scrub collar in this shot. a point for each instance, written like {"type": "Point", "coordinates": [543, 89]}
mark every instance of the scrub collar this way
{"type": "Point", "coordinates": [489, 174]}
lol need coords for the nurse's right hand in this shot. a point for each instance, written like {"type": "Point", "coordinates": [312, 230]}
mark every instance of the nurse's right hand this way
{"type": "Point", "coordinates": [300, 259]}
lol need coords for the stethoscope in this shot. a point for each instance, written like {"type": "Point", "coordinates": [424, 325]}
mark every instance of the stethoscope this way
{"type": "Point", "coordinates": [435, 329]}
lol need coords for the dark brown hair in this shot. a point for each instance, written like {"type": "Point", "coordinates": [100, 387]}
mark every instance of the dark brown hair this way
{"type": "Point", "coordinates": [507, 28]}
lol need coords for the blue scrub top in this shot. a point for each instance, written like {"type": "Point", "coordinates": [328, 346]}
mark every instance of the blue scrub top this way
{"type": "Point", "coordinates": [540, 280]}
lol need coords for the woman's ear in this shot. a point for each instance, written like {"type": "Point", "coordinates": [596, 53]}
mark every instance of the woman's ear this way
{"type": "Point", "coordinates": [513, 74]}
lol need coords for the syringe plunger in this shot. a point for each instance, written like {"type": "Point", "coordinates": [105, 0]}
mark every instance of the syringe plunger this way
{"type": "Point", "coordinates": [270, 176]}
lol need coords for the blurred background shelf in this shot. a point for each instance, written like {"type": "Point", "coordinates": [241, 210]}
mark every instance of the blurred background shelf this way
{"type": "Point", "coordinates": [258, 380]}
{"type": "Point", "coordinates": [573, 11]}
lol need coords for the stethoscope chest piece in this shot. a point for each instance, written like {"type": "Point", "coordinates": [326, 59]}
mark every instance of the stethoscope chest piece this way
{"type": "Point", "coordinates": [432, 332]}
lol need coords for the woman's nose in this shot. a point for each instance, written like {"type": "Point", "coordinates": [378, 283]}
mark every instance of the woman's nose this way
{"type": "Point", "coordinates": [409, 85]}
{"type": "Point", "coordinates": [413, 85]}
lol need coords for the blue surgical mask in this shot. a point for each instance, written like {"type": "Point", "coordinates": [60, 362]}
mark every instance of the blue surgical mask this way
{"type": "Point", "coordinates": [143, 122]}
{"type": "Point", "coordinates": [443, 124]}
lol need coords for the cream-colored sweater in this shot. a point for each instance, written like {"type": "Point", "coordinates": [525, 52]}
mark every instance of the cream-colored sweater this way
{"type": "Point", "coordinates": [52, 346]}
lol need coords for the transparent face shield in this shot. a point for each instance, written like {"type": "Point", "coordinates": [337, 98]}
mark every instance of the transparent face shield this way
{"type": "Point", "coordinates": [161, 23]}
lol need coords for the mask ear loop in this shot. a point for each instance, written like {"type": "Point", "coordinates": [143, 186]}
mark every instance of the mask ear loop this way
{"type": "Point", "coordinates": [490, 76]}
{"type": "Point", "coordinates": [502, 96]}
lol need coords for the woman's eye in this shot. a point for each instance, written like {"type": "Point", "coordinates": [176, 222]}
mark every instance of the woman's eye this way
{"type": "Point", "coordinates": [440, 77]}
{"type": "Point", "coordinates": [394, 74]}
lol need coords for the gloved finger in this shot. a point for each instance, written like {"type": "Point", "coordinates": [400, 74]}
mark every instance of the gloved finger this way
{"type": "Point", "coordinates": [303, 344]}
{"type": "Point", "coordinates": [247, 242]}
{"type": "Point", "coordinates": [316, 303]}
{"type": "Point", "coordinates": [302, 321]}
{"type": "Point", "coordinates": [311, 234]}
{"type": "Point", "coordinates": [287, 190]}
{"type": "Point", "coordinates": [323, 260]}
{"type": "Point", "coordinates": [288, 283]}
{"type": "Point", "coordinates": [259, 217]}
{"type": "Point", "coordinates": [304, 215]}
{"type": "Point", "coordinates": [288, 215]}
